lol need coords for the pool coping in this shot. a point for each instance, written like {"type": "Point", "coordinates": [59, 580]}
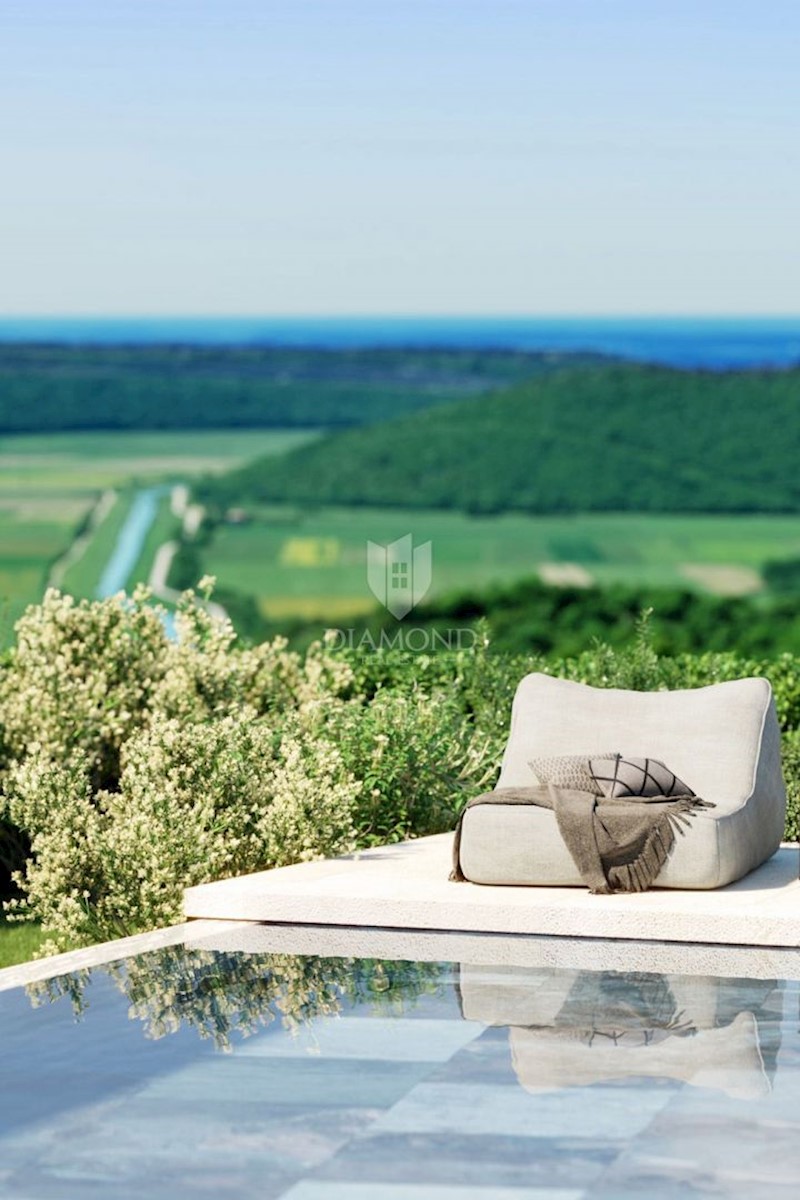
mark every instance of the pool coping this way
{"type": "Point", "coordinates": [524, 951]}
{"type": "Point", "coordinates": [406, 886]}
{"type": "Point", "coordinates": [521, 951]}
{"type": "Point", "coordinates": [395, 902]}
{"type": "Point", "coordinates": [106, 952]}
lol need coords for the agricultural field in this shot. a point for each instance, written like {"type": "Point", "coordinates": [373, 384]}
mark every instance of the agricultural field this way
{"type": "Point", "coordinates": [65, 500]}
{"type": "Point", "coordinates": [34, 530]}
{"type": "Point", "coordinates": [50, 484]}
{"type": "Point", "coordinates": [309, 564]}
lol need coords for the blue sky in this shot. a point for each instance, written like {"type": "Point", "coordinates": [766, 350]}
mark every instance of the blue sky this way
{"type": "Point", "coordinates": [399, 156]}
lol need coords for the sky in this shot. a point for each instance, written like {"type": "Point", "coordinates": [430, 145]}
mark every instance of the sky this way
{"type": "Point", "coordinates": [488, 157]}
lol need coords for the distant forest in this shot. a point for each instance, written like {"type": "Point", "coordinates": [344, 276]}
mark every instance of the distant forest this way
{"type": "Point", "coordinates": [44, 388]}
{"type": "Point", "coordinates": [612, 437]}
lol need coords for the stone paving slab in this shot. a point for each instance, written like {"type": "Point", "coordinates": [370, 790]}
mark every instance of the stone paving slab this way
{"type": "Point", "coordinates": [396, 902]}
{"type": "Point", "coordinates": [516, 951]}
{"type": "Point", "coordinates": [406, 886]}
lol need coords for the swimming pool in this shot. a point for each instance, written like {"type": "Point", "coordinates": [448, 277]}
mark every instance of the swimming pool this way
{"type": "Point", "coordinates": [195, 1072]}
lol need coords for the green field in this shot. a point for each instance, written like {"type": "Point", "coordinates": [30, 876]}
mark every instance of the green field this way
{"type": "Point", "coordinates": [49, 483]}
{"type": "Point", "coordinates": [309, 564]}
{"type": "Point", "coordinates": [33, 532]}
{"type": "Point", "coordinates": [81, 463]}
{"type": "Point", "coordinates": [312, 563]}
{"type": "Point", "coordinates": [79, 572]}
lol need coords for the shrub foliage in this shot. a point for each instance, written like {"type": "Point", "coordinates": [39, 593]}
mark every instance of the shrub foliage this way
{"type": "Point", "coordinates": [132, 765]}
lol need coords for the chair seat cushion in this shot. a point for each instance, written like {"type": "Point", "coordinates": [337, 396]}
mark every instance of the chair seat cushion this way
{"type": "Point", "coordinates": [522, 845]}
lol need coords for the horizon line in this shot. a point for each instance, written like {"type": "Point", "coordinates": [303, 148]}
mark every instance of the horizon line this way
{"type": "Point", "coordinates": [401, 316]}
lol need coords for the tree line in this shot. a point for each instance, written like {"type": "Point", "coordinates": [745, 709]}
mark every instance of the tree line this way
{"type": "Point", "coordinates": [613, 437]}
{"type": "Point", "coordinates": [55, 387]}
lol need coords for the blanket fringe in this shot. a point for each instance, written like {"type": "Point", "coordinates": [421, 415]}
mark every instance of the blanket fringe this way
{"type": "Point", "coordinates": [642, 872]}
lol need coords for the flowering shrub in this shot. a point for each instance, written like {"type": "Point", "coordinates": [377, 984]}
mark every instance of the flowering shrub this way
{"type": "Point", "coordinates": [195, 801]}
{"type": "Point", "coordinates": [83, 676]}
{"type": "Point", "coordinates": [133, 766]}
{"type": "Point", "coordinates": [205, 674]}
{"type": "Point", "coordinates": [136, 766]}
{"type": "Point", "coordinates": [63, 875]}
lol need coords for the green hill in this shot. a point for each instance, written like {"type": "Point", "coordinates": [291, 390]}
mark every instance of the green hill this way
{"type": "Point", "coordinates": [54, 387]}
{"type": "Point", "coordinates": [610, 437]}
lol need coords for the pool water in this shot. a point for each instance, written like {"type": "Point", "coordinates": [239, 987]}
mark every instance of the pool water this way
{"type": "Point", "coordinates": [188, 1072]}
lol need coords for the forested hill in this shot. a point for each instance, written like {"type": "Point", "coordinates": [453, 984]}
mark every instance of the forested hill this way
{"type": "Point", "coordinates": [605, 438]}
{"type": "Point", "coordinates": [54, 387]}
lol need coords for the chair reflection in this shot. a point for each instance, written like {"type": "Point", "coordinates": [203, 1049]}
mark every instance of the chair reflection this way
{"type": "Point", "coordinates": [571, 1028]}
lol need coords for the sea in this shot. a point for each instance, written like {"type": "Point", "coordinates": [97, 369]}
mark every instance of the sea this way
{"type": "Point", "coordinates": [711, 343]}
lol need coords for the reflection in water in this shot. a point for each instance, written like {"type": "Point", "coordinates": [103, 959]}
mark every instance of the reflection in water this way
{"type": "Point", "coordinates": [222, 994]}
{"type": "Point", "coordinates": [325, 1098]}
{"type": "Point", "coordinates": [567, 1028]}
{"type": "Point", "coordinates": [574, 1028]}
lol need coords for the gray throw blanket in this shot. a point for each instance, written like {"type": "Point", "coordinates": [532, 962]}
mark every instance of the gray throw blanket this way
{"type": "Point", "coordinates": [617, 844]}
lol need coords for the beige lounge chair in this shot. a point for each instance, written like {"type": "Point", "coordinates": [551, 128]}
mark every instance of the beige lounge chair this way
{"type": "Point", "coordinates": [722, 740]}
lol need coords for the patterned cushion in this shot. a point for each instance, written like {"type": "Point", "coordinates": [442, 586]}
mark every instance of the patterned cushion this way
{"type": "Point", "coordinates": [636, 777]}
{"type": "Point", "coordinates": [570, 771]}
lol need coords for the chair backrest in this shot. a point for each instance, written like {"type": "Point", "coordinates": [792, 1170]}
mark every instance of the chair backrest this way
{"type": "Point", "coordinates": [718, 739]}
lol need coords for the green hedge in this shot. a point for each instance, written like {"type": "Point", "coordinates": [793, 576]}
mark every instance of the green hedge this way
{"type": "Point", "coordinates": [132, 766]}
